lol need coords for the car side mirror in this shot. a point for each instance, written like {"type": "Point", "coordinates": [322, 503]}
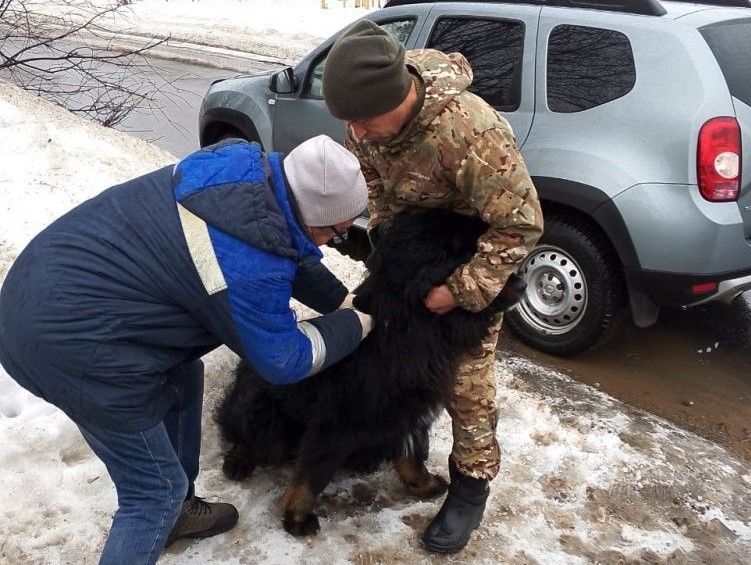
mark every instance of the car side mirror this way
{"type": "Point", "coordinates": [283, 82]}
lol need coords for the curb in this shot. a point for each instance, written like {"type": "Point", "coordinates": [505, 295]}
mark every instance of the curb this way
{"type": "Point", "coordinates": [186, 52]}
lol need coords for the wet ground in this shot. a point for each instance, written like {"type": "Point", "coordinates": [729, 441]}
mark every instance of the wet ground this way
{"type": "Point", "coordinates": [693, 368]}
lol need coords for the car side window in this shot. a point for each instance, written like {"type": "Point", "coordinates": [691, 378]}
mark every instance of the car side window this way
{"type": "Point", "coordinates": [494, 49]}
{"type": "Point", "coordinates": [400, 29]}
{"type": "Point", "coordinates": [587, 67]}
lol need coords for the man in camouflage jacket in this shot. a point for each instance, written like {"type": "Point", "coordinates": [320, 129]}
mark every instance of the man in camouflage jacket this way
{"type": "Point", "coordinates": [424, 141]}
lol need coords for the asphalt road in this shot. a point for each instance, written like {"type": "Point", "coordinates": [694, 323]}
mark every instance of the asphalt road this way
{"type": "Point", "coordinates": [172, 122]}
{"type": "Point", "coordinates": [693, 367]}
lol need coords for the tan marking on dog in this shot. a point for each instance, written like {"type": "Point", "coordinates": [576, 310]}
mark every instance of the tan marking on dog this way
{"type": "Point", "coordinates": [298, 500]}
{"type": "Point", "coordinates": [418, 480]}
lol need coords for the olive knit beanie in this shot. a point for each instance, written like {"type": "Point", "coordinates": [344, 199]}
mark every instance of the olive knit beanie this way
{"type": "Point", "coordinates": [365, 75]}
{"type": "Point", "coordinates": [326, 181]}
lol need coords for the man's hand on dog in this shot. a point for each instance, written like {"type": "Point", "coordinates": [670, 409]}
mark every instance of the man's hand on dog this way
{"type": "Point", "coordinates": [440, 300]}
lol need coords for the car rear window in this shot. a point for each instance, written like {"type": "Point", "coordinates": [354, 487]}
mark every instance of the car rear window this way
{"type": "Point", "coordinates": [730, 42]}
{"type": "Point", "coordinates": [587, 67]}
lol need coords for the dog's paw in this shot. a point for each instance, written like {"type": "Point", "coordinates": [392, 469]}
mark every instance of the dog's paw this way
{"type": "Point", "coordinates": [435, 485]}
{"type": "Point", "coordinates": [308, 526]}
{"type": "Point", "coordinates": [237, 469]}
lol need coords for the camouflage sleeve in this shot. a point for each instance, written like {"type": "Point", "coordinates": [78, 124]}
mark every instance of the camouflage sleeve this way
{"type": "Point", "coordinates": [494, 178]}
{"type": "Point", "coordinates": [376, 208]}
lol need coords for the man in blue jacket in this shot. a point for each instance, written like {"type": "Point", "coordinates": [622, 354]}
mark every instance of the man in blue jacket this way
{"type": "Point", "coordinates": [107, 312]}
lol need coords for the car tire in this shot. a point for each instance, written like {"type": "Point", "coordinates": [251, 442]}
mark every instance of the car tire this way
{"type": "Point", "coordinates": [575, 294]}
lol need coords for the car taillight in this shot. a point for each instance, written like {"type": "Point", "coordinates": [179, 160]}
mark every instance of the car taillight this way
{"type": "Point", "coordinates": [718, 159]}
{"type": "Point", "coordinates": [704, 288]}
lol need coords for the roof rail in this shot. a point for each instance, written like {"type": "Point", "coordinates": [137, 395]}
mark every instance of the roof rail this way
{"type": "Point", "coordinates": [727, 3]}
{"type": "Point", "coordinates": [644, 7]}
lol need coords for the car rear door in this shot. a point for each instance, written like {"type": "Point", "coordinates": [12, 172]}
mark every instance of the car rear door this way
{"type": "Point", "coordinates": [499, 41]}
{"type": "Point", "coordinates": [303, 114]}
{"type": "Point", "coordinates": [730, 42]}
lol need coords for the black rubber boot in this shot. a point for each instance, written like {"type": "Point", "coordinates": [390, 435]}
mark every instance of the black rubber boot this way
{"type": "Point", "coordinates": [460, 514]}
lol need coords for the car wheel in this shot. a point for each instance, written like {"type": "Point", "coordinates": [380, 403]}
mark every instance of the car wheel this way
{"type": "Point", "coordinates": [575, 293]}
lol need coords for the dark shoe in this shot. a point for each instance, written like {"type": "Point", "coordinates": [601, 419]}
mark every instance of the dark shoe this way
{"type": "Point", "coordinates": [460, 514]}
{"type": "Point", "coordinates": [201, 519]}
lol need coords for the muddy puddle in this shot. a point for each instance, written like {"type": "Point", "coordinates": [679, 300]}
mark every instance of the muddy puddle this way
{"type": "Point", "coordinates": [693, 368]}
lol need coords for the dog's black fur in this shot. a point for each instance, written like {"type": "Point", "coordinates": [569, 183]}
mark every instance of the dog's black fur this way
{"type": "Point", "coordinates": [365, 409]}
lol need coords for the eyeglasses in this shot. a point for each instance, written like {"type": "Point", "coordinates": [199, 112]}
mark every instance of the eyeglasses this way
{"type": "Point", "coordinates": [341, 234]}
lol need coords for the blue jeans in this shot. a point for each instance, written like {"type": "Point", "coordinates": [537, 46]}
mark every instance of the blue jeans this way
{"type": "Point", "coordinates": [152, 470]}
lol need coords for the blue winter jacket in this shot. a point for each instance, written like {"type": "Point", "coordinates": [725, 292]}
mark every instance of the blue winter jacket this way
{"type": "Point", "coordinates": [103, 305]}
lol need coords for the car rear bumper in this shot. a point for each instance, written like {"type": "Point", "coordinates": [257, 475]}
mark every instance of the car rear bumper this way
{"type": "Point", "coordinates": [728, 290]}
{"type": "Point", "coordinates": [670, 289]}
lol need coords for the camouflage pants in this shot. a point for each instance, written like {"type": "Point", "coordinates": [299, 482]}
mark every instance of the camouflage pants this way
{"type": "Point", "coordinates": [473, 412]}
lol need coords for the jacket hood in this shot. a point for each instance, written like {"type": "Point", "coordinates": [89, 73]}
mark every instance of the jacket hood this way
{"type": "Point", "coordinates": [444, 76]}
{"type": "Point", "coordinates": [235, 188]}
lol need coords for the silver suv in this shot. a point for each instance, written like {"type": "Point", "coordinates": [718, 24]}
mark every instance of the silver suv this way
{"type": "Point", "coordinates": [634, 118]}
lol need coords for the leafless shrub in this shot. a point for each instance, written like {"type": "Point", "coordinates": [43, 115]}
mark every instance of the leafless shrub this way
{"type": "Point", "coordinates": [64, 53]}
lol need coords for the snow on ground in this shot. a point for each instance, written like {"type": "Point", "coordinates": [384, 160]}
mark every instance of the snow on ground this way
{"type": "Point", "coordinates": [44, 149]}
{"type": "Point", "coordinates": [584, 479]}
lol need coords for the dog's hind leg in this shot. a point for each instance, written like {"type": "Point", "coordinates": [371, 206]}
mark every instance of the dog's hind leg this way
{"type": "Point", "coordinates": [416, 477]}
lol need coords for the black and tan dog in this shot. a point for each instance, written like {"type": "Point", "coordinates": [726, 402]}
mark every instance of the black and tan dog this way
{"type": "Point", "coordinates": [365, 409]}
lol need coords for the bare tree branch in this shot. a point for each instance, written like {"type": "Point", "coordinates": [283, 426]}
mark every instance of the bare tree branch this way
{"type": "Point", "coordinates": [66, 56]}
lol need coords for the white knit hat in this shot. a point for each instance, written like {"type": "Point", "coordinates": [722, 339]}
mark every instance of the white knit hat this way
{"type": "Point", "coordinates": [327, 182]}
